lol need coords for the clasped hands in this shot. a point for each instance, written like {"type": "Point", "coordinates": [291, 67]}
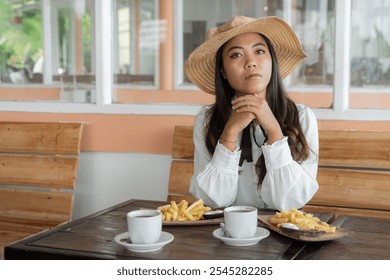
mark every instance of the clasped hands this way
{"type": "Point", "coordinates": [253, 108]}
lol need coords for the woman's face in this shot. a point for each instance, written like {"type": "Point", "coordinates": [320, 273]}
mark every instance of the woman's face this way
{"type": "Point", "coordinates": [247, 64]}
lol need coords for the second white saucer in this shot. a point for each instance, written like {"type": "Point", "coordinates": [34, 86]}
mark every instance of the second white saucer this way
{"type": "Point", "coordinates": [261, 233]}
{"type": "Point", "coordinates": [123, 239]}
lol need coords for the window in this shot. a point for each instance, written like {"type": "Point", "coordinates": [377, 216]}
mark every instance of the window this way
{"type": "Point", "coordinates": [137, 33]}
{"type": "Point", "coordinates": [103, 56]}
{"type": "Point", "coordinates": [72, 63]}
{"type": "Point", "coordinates": [313, 22]}
{"type": "Point", "coordinates": [321, 81]}
{"type": "Point", "coordinates": [51, 44]}
{"type": "Point", "coordinates": [20, 42]}
{"type": "Point", "coordinates": [66, 60]}
{"type": "Point", "coordinates": [370, 54]}
{"type": "Point", "coordinates": [51, 47]}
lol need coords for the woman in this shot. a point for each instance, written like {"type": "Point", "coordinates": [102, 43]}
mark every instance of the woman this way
{"type": "Point", "coordinates": [253, 146]}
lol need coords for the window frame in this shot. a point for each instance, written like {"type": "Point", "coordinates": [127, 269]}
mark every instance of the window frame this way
{"type": "Point", "coordinates": [104, 77]}
{"type": "Point", "coordinates": [341, 88]}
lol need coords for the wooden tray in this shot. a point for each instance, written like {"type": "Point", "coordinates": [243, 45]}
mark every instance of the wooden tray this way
{"type": "Point", "coordinates": [207, 222]}
{"type": "Point", "coordinates": [340, 232]}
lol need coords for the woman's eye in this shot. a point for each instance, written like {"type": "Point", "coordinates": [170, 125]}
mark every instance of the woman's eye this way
{"type": "Point", "coordinates": [235, 55]}
{"type": "Point", "coordinates": [260, 51]}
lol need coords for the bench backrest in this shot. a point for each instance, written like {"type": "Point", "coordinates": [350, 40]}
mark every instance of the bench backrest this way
{"type": "Point", "coordinates": [38, 169]}
{"type": "Point", "coordinates": [182, 166]}
{"type": "Point", "coordinates": [353, 173]}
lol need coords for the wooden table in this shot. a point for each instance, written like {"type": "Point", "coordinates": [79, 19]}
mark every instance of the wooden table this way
{"type": "Point", "coordinates": [92, 237]}
{"type": "Point", "coordinates": [369, 240]}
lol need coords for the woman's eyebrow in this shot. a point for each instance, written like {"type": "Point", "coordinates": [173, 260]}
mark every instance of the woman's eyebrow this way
{"type": "Point", "coordinates": [234, 47]}
{"type": "Point", "coordinates": [254, 46]}
{"type": "Point", "coordinates": [259, 44]}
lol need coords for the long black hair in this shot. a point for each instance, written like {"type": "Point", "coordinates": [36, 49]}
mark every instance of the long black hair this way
{"type": "Point", "coordinates": [283, 108]}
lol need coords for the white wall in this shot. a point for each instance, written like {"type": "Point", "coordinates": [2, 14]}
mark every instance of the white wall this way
{"type": "Point", "coordinates": [105, 179]}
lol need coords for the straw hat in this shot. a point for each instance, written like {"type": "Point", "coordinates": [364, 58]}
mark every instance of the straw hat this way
{"type": "Point", "coordinates": [200, 65]}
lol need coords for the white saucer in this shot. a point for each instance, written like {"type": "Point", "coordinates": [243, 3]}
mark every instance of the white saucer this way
{"type": "Point", "coordinates": [261, 233]}
{"type": "Point", "coordinates": [123, 239]}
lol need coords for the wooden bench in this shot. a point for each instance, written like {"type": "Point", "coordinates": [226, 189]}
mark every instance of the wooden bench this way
{"type": "Point", "coordinates": [38, 168]}
{"type": "Point", "coordinates": [353, 172]}
{"type": "Point", "coordinates": [182, 165]}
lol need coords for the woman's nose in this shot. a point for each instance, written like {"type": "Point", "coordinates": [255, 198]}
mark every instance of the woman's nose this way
{"type": "Point", "coordinates": [250, 64]}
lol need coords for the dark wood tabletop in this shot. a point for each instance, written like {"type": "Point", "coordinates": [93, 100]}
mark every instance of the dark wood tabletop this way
{"type": "Point", "coordinates": [92, 237]}
{"type": "Point", "coordinates": [369, 240]}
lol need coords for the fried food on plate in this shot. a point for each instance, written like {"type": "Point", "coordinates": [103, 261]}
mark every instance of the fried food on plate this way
{"type": "Point", "coordinates": [302, 220]}
{"type": "Point", "coordinates": [182, 211]}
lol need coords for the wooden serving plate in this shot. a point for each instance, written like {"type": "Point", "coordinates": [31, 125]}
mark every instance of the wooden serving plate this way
{"type": "Point", "coordinates": [204, 222]}
{"type": "Point", "coordinates": [304, 235]}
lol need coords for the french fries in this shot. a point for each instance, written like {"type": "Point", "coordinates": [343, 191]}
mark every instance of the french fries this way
{"type": "Point", "coordinates": [183, 212]}
{"type": "Point", "coordinates": [302, 220]}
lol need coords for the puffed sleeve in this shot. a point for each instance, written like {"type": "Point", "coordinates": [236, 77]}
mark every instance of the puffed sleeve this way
{"type": "Point", "coordinates": [289, 184]}
{"type": "Point", "coordinates": [215, 176]}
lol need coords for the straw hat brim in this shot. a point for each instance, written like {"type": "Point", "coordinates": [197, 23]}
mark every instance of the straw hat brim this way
{"type": "Point", "coordinates": [200, 65]}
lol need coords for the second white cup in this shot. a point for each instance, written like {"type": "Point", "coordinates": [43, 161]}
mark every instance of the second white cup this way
{"type": "Point", "coordinates": [144, 226]}
{"type": "Point", "coordinates": [240, 221]}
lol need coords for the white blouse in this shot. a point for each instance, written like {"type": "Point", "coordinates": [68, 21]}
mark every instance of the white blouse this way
{"type": "Point", "coordinates": [220, 181]}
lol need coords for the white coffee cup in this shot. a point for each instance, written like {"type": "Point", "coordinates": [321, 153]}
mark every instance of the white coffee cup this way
{"type": "Point", "coordinates": [240, 221]}
{"type": "Point", "coordinates": [144, 226]}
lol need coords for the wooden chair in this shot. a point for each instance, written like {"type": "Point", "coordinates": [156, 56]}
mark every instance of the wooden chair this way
{"type": "Point", "coordinates": [353, 172]}
{"type": "Point", "coordinates": [38, 168]}
{"type": "Point", "coordinates": [182, 166]}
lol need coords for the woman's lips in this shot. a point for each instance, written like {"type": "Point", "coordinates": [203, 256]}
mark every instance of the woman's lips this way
{"type": "Point", "coordinates": [252, 76]}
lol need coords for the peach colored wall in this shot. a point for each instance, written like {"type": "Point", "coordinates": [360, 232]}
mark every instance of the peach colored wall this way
{"type": "Point", "coordinates": [369, 100]}
{"type": "Point", "coordinates": [170, 95]}
{"type": "Point", "coordinates": [116, 133]}
{"type": "Point", "coordinates": [28, 94]}
{"type": "Point", "coordinates": [166, 56]}
{"type": "Point", "coordinates": [151, 134]}
{"type": "Point", "coordinates": [354, 125]}
{"type": "Point", "coordinates": [163, 96]}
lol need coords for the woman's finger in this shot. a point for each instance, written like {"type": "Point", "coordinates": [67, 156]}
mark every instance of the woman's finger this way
{"type": "Point", "coordinates": [244, 102]}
